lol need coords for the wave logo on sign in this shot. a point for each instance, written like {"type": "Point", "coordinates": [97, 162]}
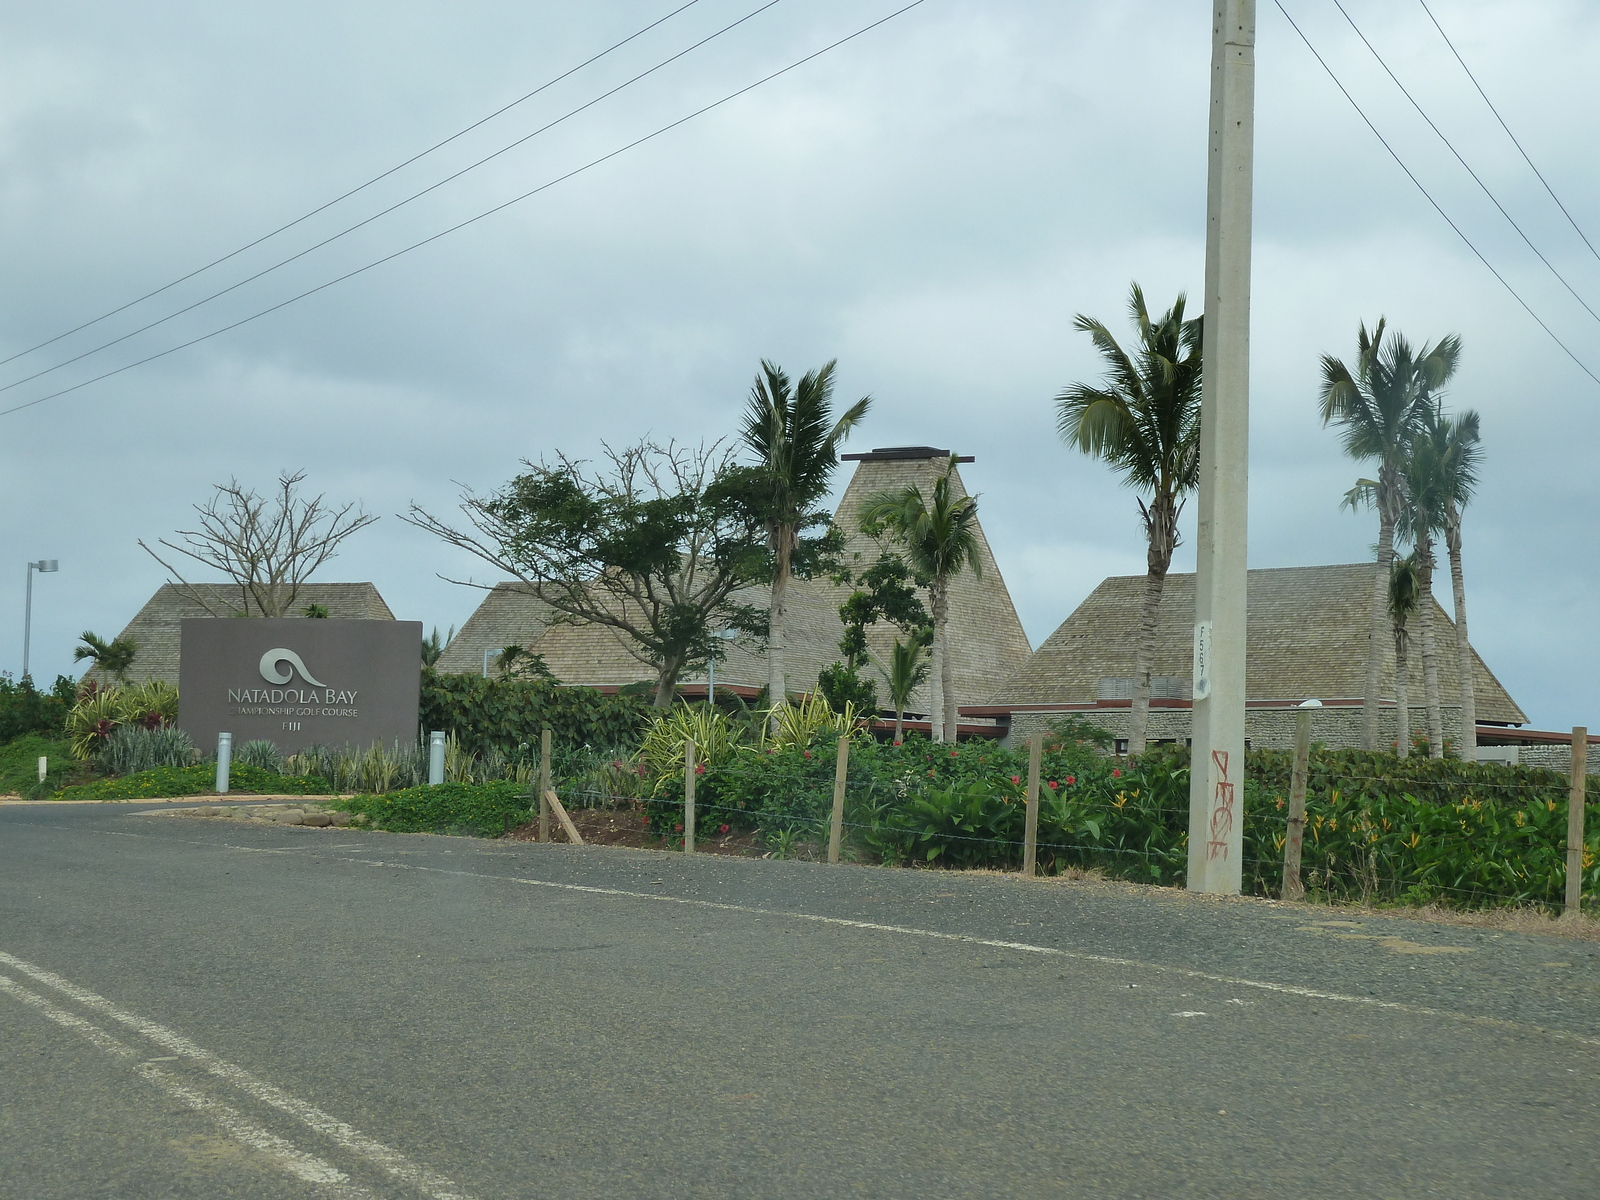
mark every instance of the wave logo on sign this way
{"type": "Point", "coordinates": [272, 661]}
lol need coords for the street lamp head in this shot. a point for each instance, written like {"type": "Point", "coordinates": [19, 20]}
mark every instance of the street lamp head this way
{"type": "Point", "coordinates": [1311, 704]}
{"type": "Point", "coordinates": [45, 565]}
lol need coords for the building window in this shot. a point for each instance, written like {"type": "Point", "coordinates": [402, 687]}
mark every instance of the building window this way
{"type": "Point", "coordinates": [1122, 745]}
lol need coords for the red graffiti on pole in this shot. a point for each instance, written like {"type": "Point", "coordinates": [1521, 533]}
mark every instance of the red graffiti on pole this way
{"type": "Point", "coordinates": [1221, 809]}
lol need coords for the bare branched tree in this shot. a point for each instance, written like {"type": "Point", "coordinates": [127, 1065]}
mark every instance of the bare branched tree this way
{"type": "Point", "coordinates": [652, 548]}
{"type": "Point", "coordinates": [268, 546]}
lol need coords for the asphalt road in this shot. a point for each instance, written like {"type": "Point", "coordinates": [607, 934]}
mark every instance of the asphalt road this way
{"type": "Point", "coordinates": [194, 1008]}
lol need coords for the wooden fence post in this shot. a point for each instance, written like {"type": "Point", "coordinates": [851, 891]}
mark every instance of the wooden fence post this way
{"type": "Point", "coordinates": [544, 786]}
{"type": "Point", "coordinates": [688, 796]}
{"type": "Point", "coordinates": [1293, 889]}
{"type": "Point", "coordinates": [1575, 794]}
{"type": "Point", "coordinates": [836, 825]}
{"type": "Point", "coordinates": [1030, 826]}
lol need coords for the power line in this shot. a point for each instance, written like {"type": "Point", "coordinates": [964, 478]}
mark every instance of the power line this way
{"type": "Point", "coordinates": [1426, 194]}
{"type": "Point", "coordinates": [473, 220]}
{"type": "Point", "coordinates": [1507, 128]}
{"type": "Point", "coordinates": [385, 212]}
{"type": "Point", "coordinates": [359, 188]}
{"type": "Point", "coordinates": [1475, 178]}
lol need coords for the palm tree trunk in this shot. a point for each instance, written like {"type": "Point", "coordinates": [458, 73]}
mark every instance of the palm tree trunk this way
{"type": "Point", "coordinates": [1160, 520]}
{"type": "Point", "coordinates": [899, 722]}
{"type": "Point", "coordinates": [951, 715]}
{"type": "Point", "coordinates": [1458, 585]}
{"type": "Point", "coordinates": [776, 689]}
{"type": "Point", "coordinates": [1378, 632]}
{"type": "Point", "coordinates": [1430, 659]}
{"type": "Point", "coordinates": [1402, 703]}
{"type": "Point", "coordinates": [937, 676]}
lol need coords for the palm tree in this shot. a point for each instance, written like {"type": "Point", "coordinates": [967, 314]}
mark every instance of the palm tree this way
{"type": "Point", "coordinates": [114, 657]}
{"type": "Point", "coordinates": [796, 445]}
{"type": "Point", "coordinates": [1143, 419]}
{"type": "Point", "coordinates": [940, 537]}
{"type": "Point", "coordinates": [1459, 459]}
{"type": "Point", "coordinates": [1379, 406]}
{"type": "Point", "coordinates": [905, 672]}
{"type": "Point", "coordinates": [1404, 593]}
{"type": "Point", "coordinates": [433, 646]}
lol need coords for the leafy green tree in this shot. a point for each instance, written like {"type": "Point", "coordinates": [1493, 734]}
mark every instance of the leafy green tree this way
{"type": "Point", "coordinates": [905, 671]}
{"type": "Point", "coordinates": [842, 684]}
{"type": "Point", "coordinates": [1405, 592]}
{"type": "Point", "coordinates": [939, 534]}
{"type": "Point", "coordinates": [114, 658]}
{"type": "Point", "coordinates": [1379, 407]}
{"type": "Point", "coordinates": [792, 433]}
{"type": "Point", "coordinates": [653, 547]}
{"type": "Point", "coordinates": [315, 611]}
{"type": "Point", "coordinates": [1143, 420]}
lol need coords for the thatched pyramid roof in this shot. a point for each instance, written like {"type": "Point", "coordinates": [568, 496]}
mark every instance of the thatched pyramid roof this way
{"type": "Point", "coordinates": [988, 644]}
{"type": "Point", "coordinates": [158, 625]}
{"type": "Point", "coordinates": [1307, 637]}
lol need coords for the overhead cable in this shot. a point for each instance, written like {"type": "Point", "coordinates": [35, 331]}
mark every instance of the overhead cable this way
{"type": "Point", "coordinates": [1507, 128]}
{"type": "Point", "coordinates": [1428, 196]}
{"type": "Point", "coordinates": [549, 83]}
{"type": "Point", "coordinates": [386, 211]}
{"type": "Point", "coordinates": [1475, 177]}
{"type": "Point", "coordinates": [473, 220]}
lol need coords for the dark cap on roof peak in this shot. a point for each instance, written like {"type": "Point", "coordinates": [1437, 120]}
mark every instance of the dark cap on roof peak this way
{"type": "Point", "coordinates": [902, 453]}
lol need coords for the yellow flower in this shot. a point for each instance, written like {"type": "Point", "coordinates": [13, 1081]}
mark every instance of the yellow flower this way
{"type": "Point", "coordinates": [1522, 819]}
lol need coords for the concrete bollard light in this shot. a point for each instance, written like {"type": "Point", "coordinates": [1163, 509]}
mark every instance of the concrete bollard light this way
{"type": "Point", "coordinates": [436, 758]}
{"type": "Point", "coordinates": [44, 767]}
{"type": "Point", "coordinates": [224, 760]}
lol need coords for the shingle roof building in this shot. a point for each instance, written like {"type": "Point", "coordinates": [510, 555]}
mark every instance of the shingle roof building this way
{"type": "Point", "coordinates": [1307, 637]}
{"type": "Point", "coordinates": [988, 644]}
{"type": "Point", "coordinates": [158, 624]}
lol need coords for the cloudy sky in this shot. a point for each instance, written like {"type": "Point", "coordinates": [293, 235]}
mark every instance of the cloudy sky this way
{"type": "Point", "coordinates": [930, 203]}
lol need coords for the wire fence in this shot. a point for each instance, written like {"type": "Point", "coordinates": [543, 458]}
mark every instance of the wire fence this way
{"type": "Point", "coordinates": [1368, 836]}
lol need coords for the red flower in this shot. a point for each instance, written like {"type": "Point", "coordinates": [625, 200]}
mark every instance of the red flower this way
{"type": "Point", "coordinates": [1116, 772]}
{"type": "Point", "coordinates": [699, 768]}
{"type": "Point", "coordinates": [808, 754]}
{"type": "Point", "coordinates": [952, 754]}
{"type": "Point", "coordinates": [722, 829]}
{"type": "Point", "coordinates": [897, 743]}
{"type": "Point", "coordinates": [1016, 779]}
{"type": "Point", "coordinates": [1071, 779]}
{"type": "Point", "coordinates": [1054, 785]}
{"type": "Point", "coordinates": [678, 827]}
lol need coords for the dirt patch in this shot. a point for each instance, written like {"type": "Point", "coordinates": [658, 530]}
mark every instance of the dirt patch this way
{"type": "Point", "coordinates": [627, 827]}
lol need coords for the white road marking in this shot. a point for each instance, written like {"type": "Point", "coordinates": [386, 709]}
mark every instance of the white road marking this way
{"type": "Point", "coordinates": [430, 1183]}
{"type": "Point", "coordinates": [285, 1154]}
{"type": "Point", "coordinates": [1283, 989]}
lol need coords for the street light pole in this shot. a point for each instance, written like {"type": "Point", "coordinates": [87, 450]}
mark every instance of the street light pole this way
{"type": "Point", "coordinates": [1216, 776]}
{"type": "Point", "coordinates": [44, 566]}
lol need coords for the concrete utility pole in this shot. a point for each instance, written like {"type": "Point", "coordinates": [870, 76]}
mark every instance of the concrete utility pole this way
{"type": "Point", "coordinates": [1216, 781]}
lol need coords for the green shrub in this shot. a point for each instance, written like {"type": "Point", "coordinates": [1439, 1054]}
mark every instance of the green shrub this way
{"type": "Point", "coordinates": [506, 713]}
{"type": "Point", "coordinates": [134, 748]}
{"type": "Point", "coordinates": [193, 781]}
{"type": "Point", "coordinates": [24, 709]}
{"type": "Point", "coordinates": [482, 809]}
{"type": "Point", "coordinates": [259, 752]}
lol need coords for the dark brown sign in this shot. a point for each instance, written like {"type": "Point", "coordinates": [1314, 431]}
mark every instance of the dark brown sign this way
{"type": "Point", "coordinates": [299, 681]}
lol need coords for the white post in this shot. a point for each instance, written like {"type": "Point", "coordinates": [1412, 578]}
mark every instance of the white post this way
{"type": "Point", "coordinates": [224, 760]}
{"type": "Point", "coordinates": [44, 767]}
{"type": "Point", "coordinates": [436, 758]}
{"type": "Point", "coordinates": [1216, 781]}
{"type": "Point", "coordinates": [486, 664]}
